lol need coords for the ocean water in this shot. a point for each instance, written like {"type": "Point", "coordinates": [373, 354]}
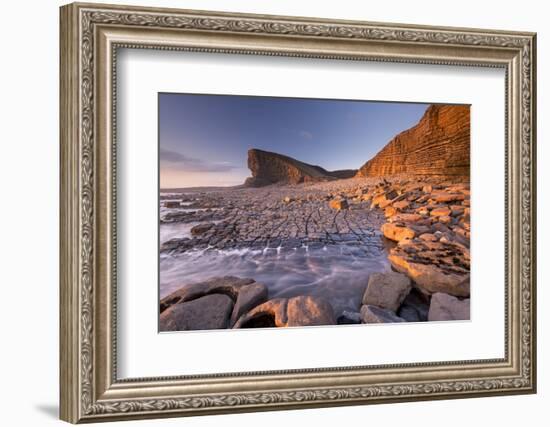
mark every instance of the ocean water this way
{"type": "Point", "coordinates": [336, 272]}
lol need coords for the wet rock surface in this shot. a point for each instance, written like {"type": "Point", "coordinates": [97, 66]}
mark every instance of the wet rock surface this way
{"type": "Point", "coordinates": [277, 216]}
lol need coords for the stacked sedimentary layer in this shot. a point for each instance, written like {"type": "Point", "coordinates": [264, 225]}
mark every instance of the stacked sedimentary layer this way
{"type": "Point", "coordinates": [271, 168]}
{"type": "Point", "coordinates": [438, 145]}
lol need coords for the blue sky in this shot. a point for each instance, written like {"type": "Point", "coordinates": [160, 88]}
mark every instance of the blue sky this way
{"type": "Point", "coordinates": [204, 139]}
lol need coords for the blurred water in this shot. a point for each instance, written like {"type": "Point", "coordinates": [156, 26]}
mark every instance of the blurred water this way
{"type": "Point", "coordinates": [336, 272]}
{"type": "Point", "coordinates": [175, 230]}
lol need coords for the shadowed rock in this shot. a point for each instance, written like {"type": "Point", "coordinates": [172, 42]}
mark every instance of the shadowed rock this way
{"type": "Point", "coordinates": [249, 297]}
{"type": "Point", "coordinates": [269, 314]}
{"type": "Point", "coordinates": [387, 290]}
{"type": "Point", "coordinates": [270, 168]}
{"type": "Point", "coordinates": [172, 204]}
{"type": "Point", "coordinates": [373, 314]}
{"type": "Point", "coordinates": [228, 285]}
{"type": "Point", "coordinates": [244, 294]}
{"type": "Point", "coordinates": [383, 200]}
{"type": "Point", "coordinates": [208, 312]}
{"type": "Point", "coordinates": [201, 228]}
{"type": "Point", "coordinates": [448, 307]}
{"type": "Point", "coordinates": [349, 318]}
{"type": "Point", "coordinates": [415, 307]}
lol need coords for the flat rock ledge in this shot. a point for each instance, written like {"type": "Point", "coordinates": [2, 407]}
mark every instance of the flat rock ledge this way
{"type": "Point", "coordinates": [430, 222]}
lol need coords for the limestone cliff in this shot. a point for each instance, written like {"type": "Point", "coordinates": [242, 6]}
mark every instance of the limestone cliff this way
{"type": "Point", "coordinates": [271, 168]}
{"type": "Point", "coordinates": [438, 145]}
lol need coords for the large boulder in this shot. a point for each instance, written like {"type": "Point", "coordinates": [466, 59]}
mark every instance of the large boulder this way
{"type": "Point", "coordinates": [244, 295]}
{"type": "Point", "coordinates": [397, 232]}
{"type": "Point", "coordinates": [434, 266]}
{"type": "Point", "coordinates": [387, 290]}
{"type": "Point", "coordinates": [309, 311]}
{"type": "Point", "coordinates": [447, 307]}
{"type": "Point", "coordinates": [270, 314]}
{"type": "Point", "coordinates": [283, 312]}
{"type": "Point", "coordinates": [373, 314]}
{"type": "Point", "coordinates": [228, 285]}
{"type": "Point", "coordinates": [209, 312]}
{"type": "Point", "coordinates": [249, 297]}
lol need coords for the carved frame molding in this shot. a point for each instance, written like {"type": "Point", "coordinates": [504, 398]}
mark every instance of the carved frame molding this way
{"type": "Point", "coordinates": [90, 37]}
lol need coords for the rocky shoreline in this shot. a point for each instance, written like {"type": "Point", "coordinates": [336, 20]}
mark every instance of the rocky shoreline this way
{"type": "Point", "coordinates": [421, 223]}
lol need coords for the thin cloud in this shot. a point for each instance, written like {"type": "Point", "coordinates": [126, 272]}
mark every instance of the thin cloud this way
{"type": "Point", "coordinates": [177, 160]}
{"type": "Point", "coordinates": [306, 134]}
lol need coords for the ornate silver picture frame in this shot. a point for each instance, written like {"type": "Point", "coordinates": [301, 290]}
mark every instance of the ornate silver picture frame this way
{"type": "Point", "coordinates": [91, 35]}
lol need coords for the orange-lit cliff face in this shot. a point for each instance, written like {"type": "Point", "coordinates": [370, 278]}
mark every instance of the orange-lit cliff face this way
{"type": "Point", "coordinates": [438, 145]}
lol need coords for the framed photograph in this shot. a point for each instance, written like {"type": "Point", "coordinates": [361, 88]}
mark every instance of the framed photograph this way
{"type": "Point", "coordinates": [266, 212]}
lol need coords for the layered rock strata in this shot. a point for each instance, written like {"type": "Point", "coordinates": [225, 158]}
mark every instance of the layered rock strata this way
{"type": "Point", "coordinates": [272, 168]}
{"type": "Point", "coordinates": [438, 145]}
